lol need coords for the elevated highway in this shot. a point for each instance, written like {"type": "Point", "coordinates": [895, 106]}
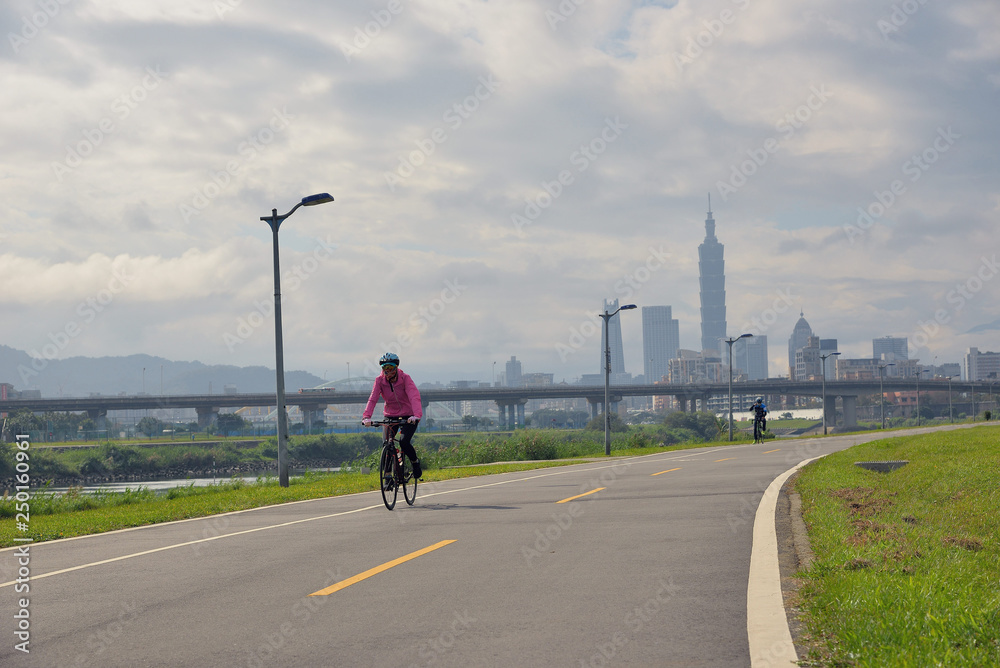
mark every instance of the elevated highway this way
{"type": "Point", "coordinates": [510, 400]}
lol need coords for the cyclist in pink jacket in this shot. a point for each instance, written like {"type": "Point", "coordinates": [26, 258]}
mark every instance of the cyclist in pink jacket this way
{"type": "Point", "coordinates": [402, 399]}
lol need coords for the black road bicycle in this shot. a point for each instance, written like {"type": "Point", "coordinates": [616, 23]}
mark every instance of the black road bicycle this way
{"type": "Point", "coordinates": [758, 429]}
{"type": "Point", "coordinates": [394, 469]}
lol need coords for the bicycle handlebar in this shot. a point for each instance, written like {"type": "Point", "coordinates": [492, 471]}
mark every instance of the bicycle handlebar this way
{"type": "Point", "coordinates": [387, 421]}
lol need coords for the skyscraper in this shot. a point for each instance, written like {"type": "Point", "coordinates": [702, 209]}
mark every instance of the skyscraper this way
{"type": "Point", "coordinates": [513, 376]}
{"type": "Point", "coordinates": [615, 335]}
{"type": "Point", "coordinates": [712, 278]}
{"type": "Point", "coordinates": [660, 340]}
{"type": "Point", "coordinates": [755, 349]}
{"type": "Point", "coordinates": [890, 348]}
{"type": "Point", "coordinates": [798, 339]}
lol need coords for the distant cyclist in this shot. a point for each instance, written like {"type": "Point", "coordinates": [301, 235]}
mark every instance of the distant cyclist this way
{"type": "Point", "coordinates": [760, 412]}
{"type": "Point", "coordinates": [402, 400]}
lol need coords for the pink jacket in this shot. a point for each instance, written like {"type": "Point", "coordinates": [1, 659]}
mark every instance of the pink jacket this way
{"type": "Point", "coordinates": [402, 399]}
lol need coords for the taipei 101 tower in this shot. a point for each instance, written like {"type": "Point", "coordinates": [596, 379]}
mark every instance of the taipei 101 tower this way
{"type": "Point", "coordinates": [712, 278]}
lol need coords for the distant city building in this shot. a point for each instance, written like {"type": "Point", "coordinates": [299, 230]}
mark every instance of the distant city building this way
{"type": "Point", "coordinates": [864, 368]}
{"type": "Point", "coordinates": [755, 353]}
{"type": "Point", "coordinates": [799, 338]}
{"type": "Point", "coordinates": [890, 348]}
{"type": "Point", "coordinates": [807, 361]}
{"type": "Point", "coordinates": [982, 365]}
{"type": "Point", "coordinates": [694, 367]}
{"type": "Point", "coordinates": [615, 336]}
{"type": "Point", "coordinates": [513, 375]}
{"type": "Point", "coordinates": [712, 279]}
{"type": "Point", "coordinates": [660, 341]}
{"type": "Point", "coordinates": [826, 349]}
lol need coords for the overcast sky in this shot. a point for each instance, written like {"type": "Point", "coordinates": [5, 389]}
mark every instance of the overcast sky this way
{"type": "Point", "coordinates": [498, 169]}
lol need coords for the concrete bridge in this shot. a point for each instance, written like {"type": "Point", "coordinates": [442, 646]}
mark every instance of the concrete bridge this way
{"type": "Point", "coordinates": [509, 400]}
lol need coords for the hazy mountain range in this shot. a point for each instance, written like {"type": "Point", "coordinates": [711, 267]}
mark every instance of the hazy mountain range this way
{"type": "Point", "coordinates": [81, 376]}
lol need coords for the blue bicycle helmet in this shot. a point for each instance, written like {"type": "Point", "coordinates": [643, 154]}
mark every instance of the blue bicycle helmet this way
{"type": "Point", "coordinates": [389, 358]}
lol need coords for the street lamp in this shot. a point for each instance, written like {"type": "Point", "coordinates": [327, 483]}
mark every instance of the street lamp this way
{"type": "Point", "coordinates": [823, 358]}
{"type": "Point", "coordinates": [881, 393]}
{"type": "Point", "coordinates": [607, 373]}
{"type": "Point", "coordinates": [274, 220]}
{"type": "Point", "coordinates": [922, 372]}
{"type": "Point", "coordinates": [951, 416]}
{"type": "Point", "coordinates": [731, 342]}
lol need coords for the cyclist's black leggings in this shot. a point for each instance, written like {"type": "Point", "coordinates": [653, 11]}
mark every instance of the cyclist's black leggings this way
{"type": "Point", "coordinates": [406, 431]}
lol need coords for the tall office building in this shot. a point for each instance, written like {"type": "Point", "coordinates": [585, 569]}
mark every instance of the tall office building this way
{"type": "Point", "coordinates": [754, 358]}
{"type": "Point", "coordinates": [615, 335]}
{"type": "Point", "coordinates": [826, 349]}
{"type": "Point", "coordinates": [799, 338]}
{"type": "Point", "coordinates": [513, 376]}
{"type": "Point", "coordinates": [712, 279]}
{"type": "Point", "coordinates": [890, 348]}
{"type": "Point", "coordinates": [660, 340]}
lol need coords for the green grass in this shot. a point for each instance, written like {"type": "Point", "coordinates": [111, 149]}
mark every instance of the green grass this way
{"type": "Point", "coordinates": [908, 562]}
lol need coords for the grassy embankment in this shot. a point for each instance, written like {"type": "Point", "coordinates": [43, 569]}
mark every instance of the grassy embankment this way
{"type": "Point", "coordinates": [907, 569]}
{"type": "Point", "coordinates": [74, 514]}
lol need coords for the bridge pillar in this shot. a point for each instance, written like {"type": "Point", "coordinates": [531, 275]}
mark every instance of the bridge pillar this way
{"type": "Point", "coordinates": [850, 411]}
{"type": "Point", "coordinates": [520, 413]}
{"type": "Point", "coordinates": [312, 414]}
{"type": "Point", "coordinates": [206, 415]}
{"type": "Point", "coordinates": [99, 416]}
{"type": "Point", "coordinates": [501, 414]}
{"type": "Point", "coordinates": [683, 403]}
{"type": "Point", "coordinates": [830, 411]}
{"type": "Point", "coordinates": [594, 410]}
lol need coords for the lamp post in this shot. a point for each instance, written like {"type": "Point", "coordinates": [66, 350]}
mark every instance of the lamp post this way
{"type": "Point", "coordinates": [951, 416]}
{"type": "Point", "coordinates": [274, 220]}
{"type": "Point", "coordinates": [731, 342]}
{"type": "Point", "coordinates": [881, 393]}
{"type": "Point", "coordinates": [607, 375]}
{"type": "Point", "coordinates": [823, 358]}
{"type": "Point", "coordinates": [922, 371]}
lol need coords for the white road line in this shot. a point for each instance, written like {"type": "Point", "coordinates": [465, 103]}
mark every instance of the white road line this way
{"type": "Point", "coordinates": [767, 626]}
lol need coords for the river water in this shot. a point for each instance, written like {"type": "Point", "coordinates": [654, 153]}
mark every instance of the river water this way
{"type": "Point", "coordinates": [162, 485]}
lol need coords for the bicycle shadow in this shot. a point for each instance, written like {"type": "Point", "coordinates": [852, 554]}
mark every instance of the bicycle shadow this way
{"type": "Point", "coordinates": [453, 506]}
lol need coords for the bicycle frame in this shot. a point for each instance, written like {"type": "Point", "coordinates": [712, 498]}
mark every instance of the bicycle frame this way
{"type": "Point", "coordinates": [394, 470]}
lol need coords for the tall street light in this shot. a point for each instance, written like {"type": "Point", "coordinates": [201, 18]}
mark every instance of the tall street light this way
{"type": "Point", "coordinates": [607, 374]}
{"type": "Point", "coordinates": [881, 393]}
{"type": "Point", "coordinates": [920, 373]}
{"type": "Point", "coordinates": [823, 358]}
{"type": "Point", "coordinates": [731, 342]}
{"type": "Point", "coordinates": [274, 220]}
{"type": "Point", "coordinates": [951, 416]}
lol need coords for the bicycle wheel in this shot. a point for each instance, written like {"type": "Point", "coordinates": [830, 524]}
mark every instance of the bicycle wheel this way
{"type": "Point", "coordinates": [387, 481]}
{"type": "Point", "coordinates": [409, 482]}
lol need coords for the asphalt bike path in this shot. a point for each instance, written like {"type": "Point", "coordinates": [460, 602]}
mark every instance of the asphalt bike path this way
{"type": "Point", "coordinates": [631, 561]}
